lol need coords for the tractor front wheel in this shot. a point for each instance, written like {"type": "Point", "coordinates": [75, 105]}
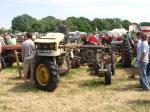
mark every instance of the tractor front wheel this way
{"type": "Point", "coordinates": [127, 53]}
{"type": "Point", "coordinates": [46, 75]}
{"type": "Point", "coordinates": [113, 65]}
{"type": "Point", "coordinates": [108, 74]}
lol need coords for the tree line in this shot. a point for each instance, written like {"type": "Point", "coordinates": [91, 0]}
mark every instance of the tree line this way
{"type": "Point", "coordinates": [28, 23]}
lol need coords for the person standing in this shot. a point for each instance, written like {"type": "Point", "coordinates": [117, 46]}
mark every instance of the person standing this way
{"type": "Point", "coordinates": [142, 58]}
{"type": "Point", "coordinates": [148, 65]}
{"type": "Point", "coordinates": [138, 40]}
{"type": "Point", "coordinates": [28, 50]}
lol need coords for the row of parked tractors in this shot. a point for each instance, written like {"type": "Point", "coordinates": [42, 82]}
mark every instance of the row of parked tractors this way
{"type": "Point", "coordinates": [55, 56]}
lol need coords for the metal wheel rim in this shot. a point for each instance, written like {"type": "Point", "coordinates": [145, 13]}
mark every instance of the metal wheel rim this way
{"type": "Point", "coordinates": [42, 74]}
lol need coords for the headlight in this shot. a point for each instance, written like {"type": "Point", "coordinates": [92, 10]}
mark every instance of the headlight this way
{"type": "Point", "coordinates": [38, 46]}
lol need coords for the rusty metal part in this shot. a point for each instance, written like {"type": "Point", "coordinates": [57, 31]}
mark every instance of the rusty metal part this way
{"type": "Point", "coordinates": [82, 46]}
{"type": "Point", "coordinates": [11, 47]}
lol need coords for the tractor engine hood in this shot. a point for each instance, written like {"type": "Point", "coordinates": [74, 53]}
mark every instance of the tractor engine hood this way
{"type": "Point", "coordinates": [51, 38]}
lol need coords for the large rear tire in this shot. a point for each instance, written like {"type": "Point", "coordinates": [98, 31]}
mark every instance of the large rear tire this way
{"type": "Point", "coordinates": [46, 75]}
{"type": "Point", "coordinates": [6, 63]}
{"type": "Point", "coordinates": [108, 74]}
{"type": "Point", "coordinates": [3, 64]}
{"type": "Point", "coordinates": [9, 64]}
{"type": "Point", "coordinates": [127, 53]}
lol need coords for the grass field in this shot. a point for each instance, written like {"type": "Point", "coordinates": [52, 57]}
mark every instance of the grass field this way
{"type": "Point", "coordinates": [77, 92]}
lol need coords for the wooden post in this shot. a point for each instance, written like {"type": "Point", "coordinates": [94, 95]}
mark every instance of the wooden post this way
{"type": "Point", "coordinates": [18, 65]}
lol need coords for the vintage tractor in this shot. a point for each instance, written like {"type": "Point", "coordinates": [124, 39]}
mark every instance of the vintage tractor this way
{"type": "Point", "coordinates": [125, 48]}
{"type": "Point", "coordinates": [99, 58]}
{"type": "Point", "coordinates": [8, 56]}
{"type": "Point", "coordinates": [54, 57]}
{"type": "Point", "coordinates": [51, 60]}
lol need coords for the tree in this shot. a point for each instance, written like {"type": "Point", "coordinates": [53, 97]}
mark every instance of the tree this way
{"type": "Point", "coordinates": [50, 23]}
{"type": "Point", "coordinates": [116, 23]}
{"type": "Point", "coordinates": [144, 24]}
{"type": "Point", "coordinates": [3, 30]}
{"type": "Point", "coordinates": [23, 23]}
{"type": "Point", "coordinates": [38, 26]}
{"type": "Point", "coordinates": [71, 22]}
{"type": "Point", "coordinates": [97, 23]}
{"type": "Point", "coordinates": [107, 24]}
{"type": "Point", "coordinates": [126, 24]}
{"type": "Point", "coordinates": [84, 24]}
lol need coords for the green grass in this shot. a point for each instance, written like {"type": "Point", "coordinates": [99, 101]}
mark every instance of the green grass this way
{"type": "Point", "coordinates": [78, 91]}
{"type": "Point", "coordinates": [74, 72]}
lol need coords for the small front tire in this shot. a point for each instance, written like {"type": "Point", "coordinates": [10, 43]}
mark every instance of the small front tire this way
{"type": "Point", "coordinates": [108, 74]}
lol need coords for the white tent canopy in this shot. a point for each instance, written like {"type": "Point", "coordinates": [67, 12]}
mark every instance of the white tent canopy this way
{"type": "Point", "coordinates": [116, 32]}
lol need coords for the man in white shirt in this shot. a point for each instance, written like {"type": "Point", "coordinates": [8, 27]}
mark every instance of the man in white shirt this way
{"type": "Point", "coordinates": [138, 41]}
{"type": "Point", "coordinates": [148, 65]}
{"type": "Point", "coordinates": [143, 59]}
{"type": "Point", "coordinates": [28, 50]}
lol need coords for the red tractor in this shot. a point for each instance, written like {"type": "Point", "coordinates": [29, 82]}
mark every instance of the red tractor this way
{"type": "Point", "coordinates": [8, 56]}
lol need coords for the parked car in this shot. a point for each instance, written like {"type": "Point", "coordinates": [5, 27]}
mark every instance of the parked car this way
{"type": "Point", "coordinates": [74, 37]}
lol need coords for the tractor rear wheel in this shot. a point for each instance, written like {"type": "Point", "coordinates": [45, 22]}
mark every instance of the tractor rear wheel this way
{"type": "Point", "coordinates": [3, 63]}
{"type": "Point", "coordinates": [6, 63]}
{"type": "Point", "coordinates": [46, 75]}
{"type": "Point", "coordinates": [9, 64]}
{"type": "Point", "coordinates": [127, 53]}
{"type": "Point", "coordinates": [108, 74]}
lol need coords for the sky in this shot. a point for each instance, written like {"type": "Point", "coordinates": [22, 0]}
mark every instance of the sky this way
{"type": "Point", "coordinates": [132, 10]}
